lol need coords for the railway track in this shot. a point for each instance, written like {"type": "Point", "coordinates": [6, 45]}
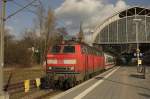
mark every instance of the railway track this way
{"type": "Point", "coordinates": [16, 91]}
{"type": "Point", "coordinates": [19, 87]}
{"type": "Point", "coordinates": [42, 94]}
{"type": "Point", "coordinates": [14, 82]}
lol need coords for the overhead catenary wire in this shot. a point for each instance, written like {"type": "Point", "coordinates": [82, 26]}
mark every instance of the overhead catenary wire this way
{"type": "Point", "coordinates": [21, 9]}
{"type": "Point", "coordinates": [20, 5]}
{"type": "Point", "coordinates": [35, 5]}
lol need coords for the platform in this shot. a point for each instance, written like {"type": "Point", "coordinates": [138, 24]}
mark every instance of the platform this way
{"type": "Point", "coordinates": [117, 83]}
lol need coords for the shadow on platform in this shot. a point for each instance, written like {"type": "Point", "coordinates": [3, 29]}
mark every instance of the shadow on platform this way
{"type": "Point", "coordinates": [145, 95]}
{"type": "Point", "coordinates": [122, 83]}
{"type": "Point", "coordinates": [137, 76]}
{"type": "Point", "coordinates": [99, 78]}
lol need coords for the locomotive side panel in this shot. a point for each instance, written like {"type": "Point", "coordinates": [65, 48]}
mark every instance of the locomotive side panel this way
{"type": "Point", "coordinates": [80, 66]}
{"type": "Point", "coordinates": [99, 63]}
{"type": "Point", "coordinates": [94, 60]}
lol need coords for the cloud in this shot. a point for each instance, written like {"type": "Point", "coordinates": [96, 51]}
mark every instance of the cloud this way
{"type": "Point", "coordinates": [90, 12]}
{"type": "Point", "coordinates": [10, 29]}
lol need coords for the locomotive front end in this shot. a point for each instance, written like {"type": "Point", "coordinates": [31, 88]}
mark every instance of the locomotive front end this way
{"type": "Point", "coordinates": [61, 64]}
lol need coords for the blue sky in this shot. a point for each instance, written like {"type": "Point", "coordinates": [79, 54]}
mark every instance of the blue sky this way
{"type": "Point", "coordinates": [24, 19]}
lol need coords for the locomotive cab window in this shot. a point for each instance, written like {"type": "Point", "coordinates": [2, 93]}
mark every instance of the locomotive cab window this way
{"type": "Point", "coordinates": [55, 49]}
{"type": "Point", "coordinates": [69, 49]}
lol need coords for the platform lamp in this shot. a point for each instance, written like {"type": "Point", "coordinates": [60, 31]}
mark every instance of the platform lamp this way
{"type": "Point", "coordinates": [137, 21]}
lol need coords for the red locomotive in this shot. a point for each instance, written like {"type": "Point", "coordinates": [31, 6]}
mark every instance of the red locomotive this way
{"type": "Point", "coordinates": [73, 62]}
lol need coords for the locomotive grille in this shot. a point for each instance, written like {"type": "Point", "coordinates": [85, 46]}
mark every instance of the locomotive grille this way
{"type": "Point", "coordinates": [60, 68]}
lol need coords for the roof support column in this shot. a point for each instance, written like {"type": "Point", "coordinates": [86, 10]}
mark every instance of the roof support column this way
{"type": "Point", "coordinates": [126, 26]}
{"type": "Point", "coordinates": [108, 33]}
{"type": "Point", "coordinates": [99, 40]}
{"type": "Point", "coordinates": [117, 32]}
{"type": "Point", "coordinates": [146, 27]}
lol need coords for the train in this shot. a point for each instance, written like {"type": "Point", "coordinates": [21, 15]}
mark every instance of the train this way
{"type": "Point", "coordinates": [70, 63]}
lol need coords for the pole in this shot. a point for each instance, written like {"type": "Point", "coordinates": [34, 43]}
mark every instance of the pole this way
{"type": "Point", "coordinates": [137, 41]}
{"type": "Point", "coordinates": [137, 45]}
{"type": "Point", "coordinates": [2, 45]}
{"type": "Point", "coordinates": [3, 95]}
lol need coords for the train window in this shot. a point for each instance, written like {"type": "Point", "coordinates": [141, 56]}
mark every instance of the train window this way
{"type": "Point", "coordinates": [100, 53]}
{"type": "Point", "coordinates": [83, 49]}
{"type": "Point", "coordinates": [89, 50]}
{"type": "Point", "coordinates": [55, 49]}
{"type": "Point", "coordinates": [110, 59]}
{"type": "Point", "coordinates": [93, 52]}
{"type": "Point", "coordinates": [69, 49]}
{"type": "Point", "coordinates": [97, 53]}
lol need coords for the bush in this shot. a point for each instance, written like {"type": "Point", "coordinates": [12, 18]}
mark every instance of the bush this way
{"type": "Point", "coordinates": [16, 52]}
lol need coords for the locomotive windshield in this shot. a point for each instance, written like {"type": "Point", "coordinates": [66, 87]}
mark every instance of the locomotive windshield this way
{"type": "Point", "coordinates": [56, 49]}
{"type": "Point", "coordinates": [63, 49]}
{"type": "Point", "coordinates": [69, 49]}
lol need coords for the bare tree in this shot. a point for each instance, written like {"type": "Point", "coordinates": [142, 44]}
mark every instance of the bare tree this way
{"type": "Point", "coordinates": [39, 26]}
{"type": "Point", "coordinates": [46, 27]}
{"type": "Point", "coordinates": [49, 29]}
{"type": "Point", "coordinates": [17, 52]}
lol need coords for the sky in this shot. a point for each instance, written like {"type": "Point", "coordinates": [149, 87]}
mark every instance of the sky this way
{"type": "Point", "coordinates": [69, 13]}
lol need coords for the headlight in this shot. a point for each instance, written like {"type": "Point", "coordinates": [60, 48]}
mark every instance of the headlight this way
{"type": "Point", "coordinates": [71, 68]}
{"type": "Point", "coordinates": [70, 61]}
{"type": "Point", "coordinates": [50, 68]}
{"type": "Point", "coordinates": [52, 61]}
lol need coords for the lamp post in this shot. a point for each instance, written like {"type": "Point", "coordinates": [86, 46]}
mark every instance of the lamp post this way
{"type": "Point", "coordinates": [137, 40]}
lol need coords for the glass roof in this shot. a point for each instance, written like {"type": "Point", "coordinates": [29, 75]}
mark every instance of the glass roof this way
{"type": "Point", "coordinates": [131, 26]}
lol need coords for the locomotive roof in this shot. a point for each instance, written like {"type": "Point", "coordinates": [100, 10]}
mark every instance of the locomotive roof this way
{"type": "Point", "coordinates": [73, 42]}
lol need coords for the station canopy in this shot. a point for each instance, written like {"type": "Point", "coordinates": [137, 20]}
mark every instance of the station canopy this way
{"type": "Point", "coordinates": [128, 26]}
